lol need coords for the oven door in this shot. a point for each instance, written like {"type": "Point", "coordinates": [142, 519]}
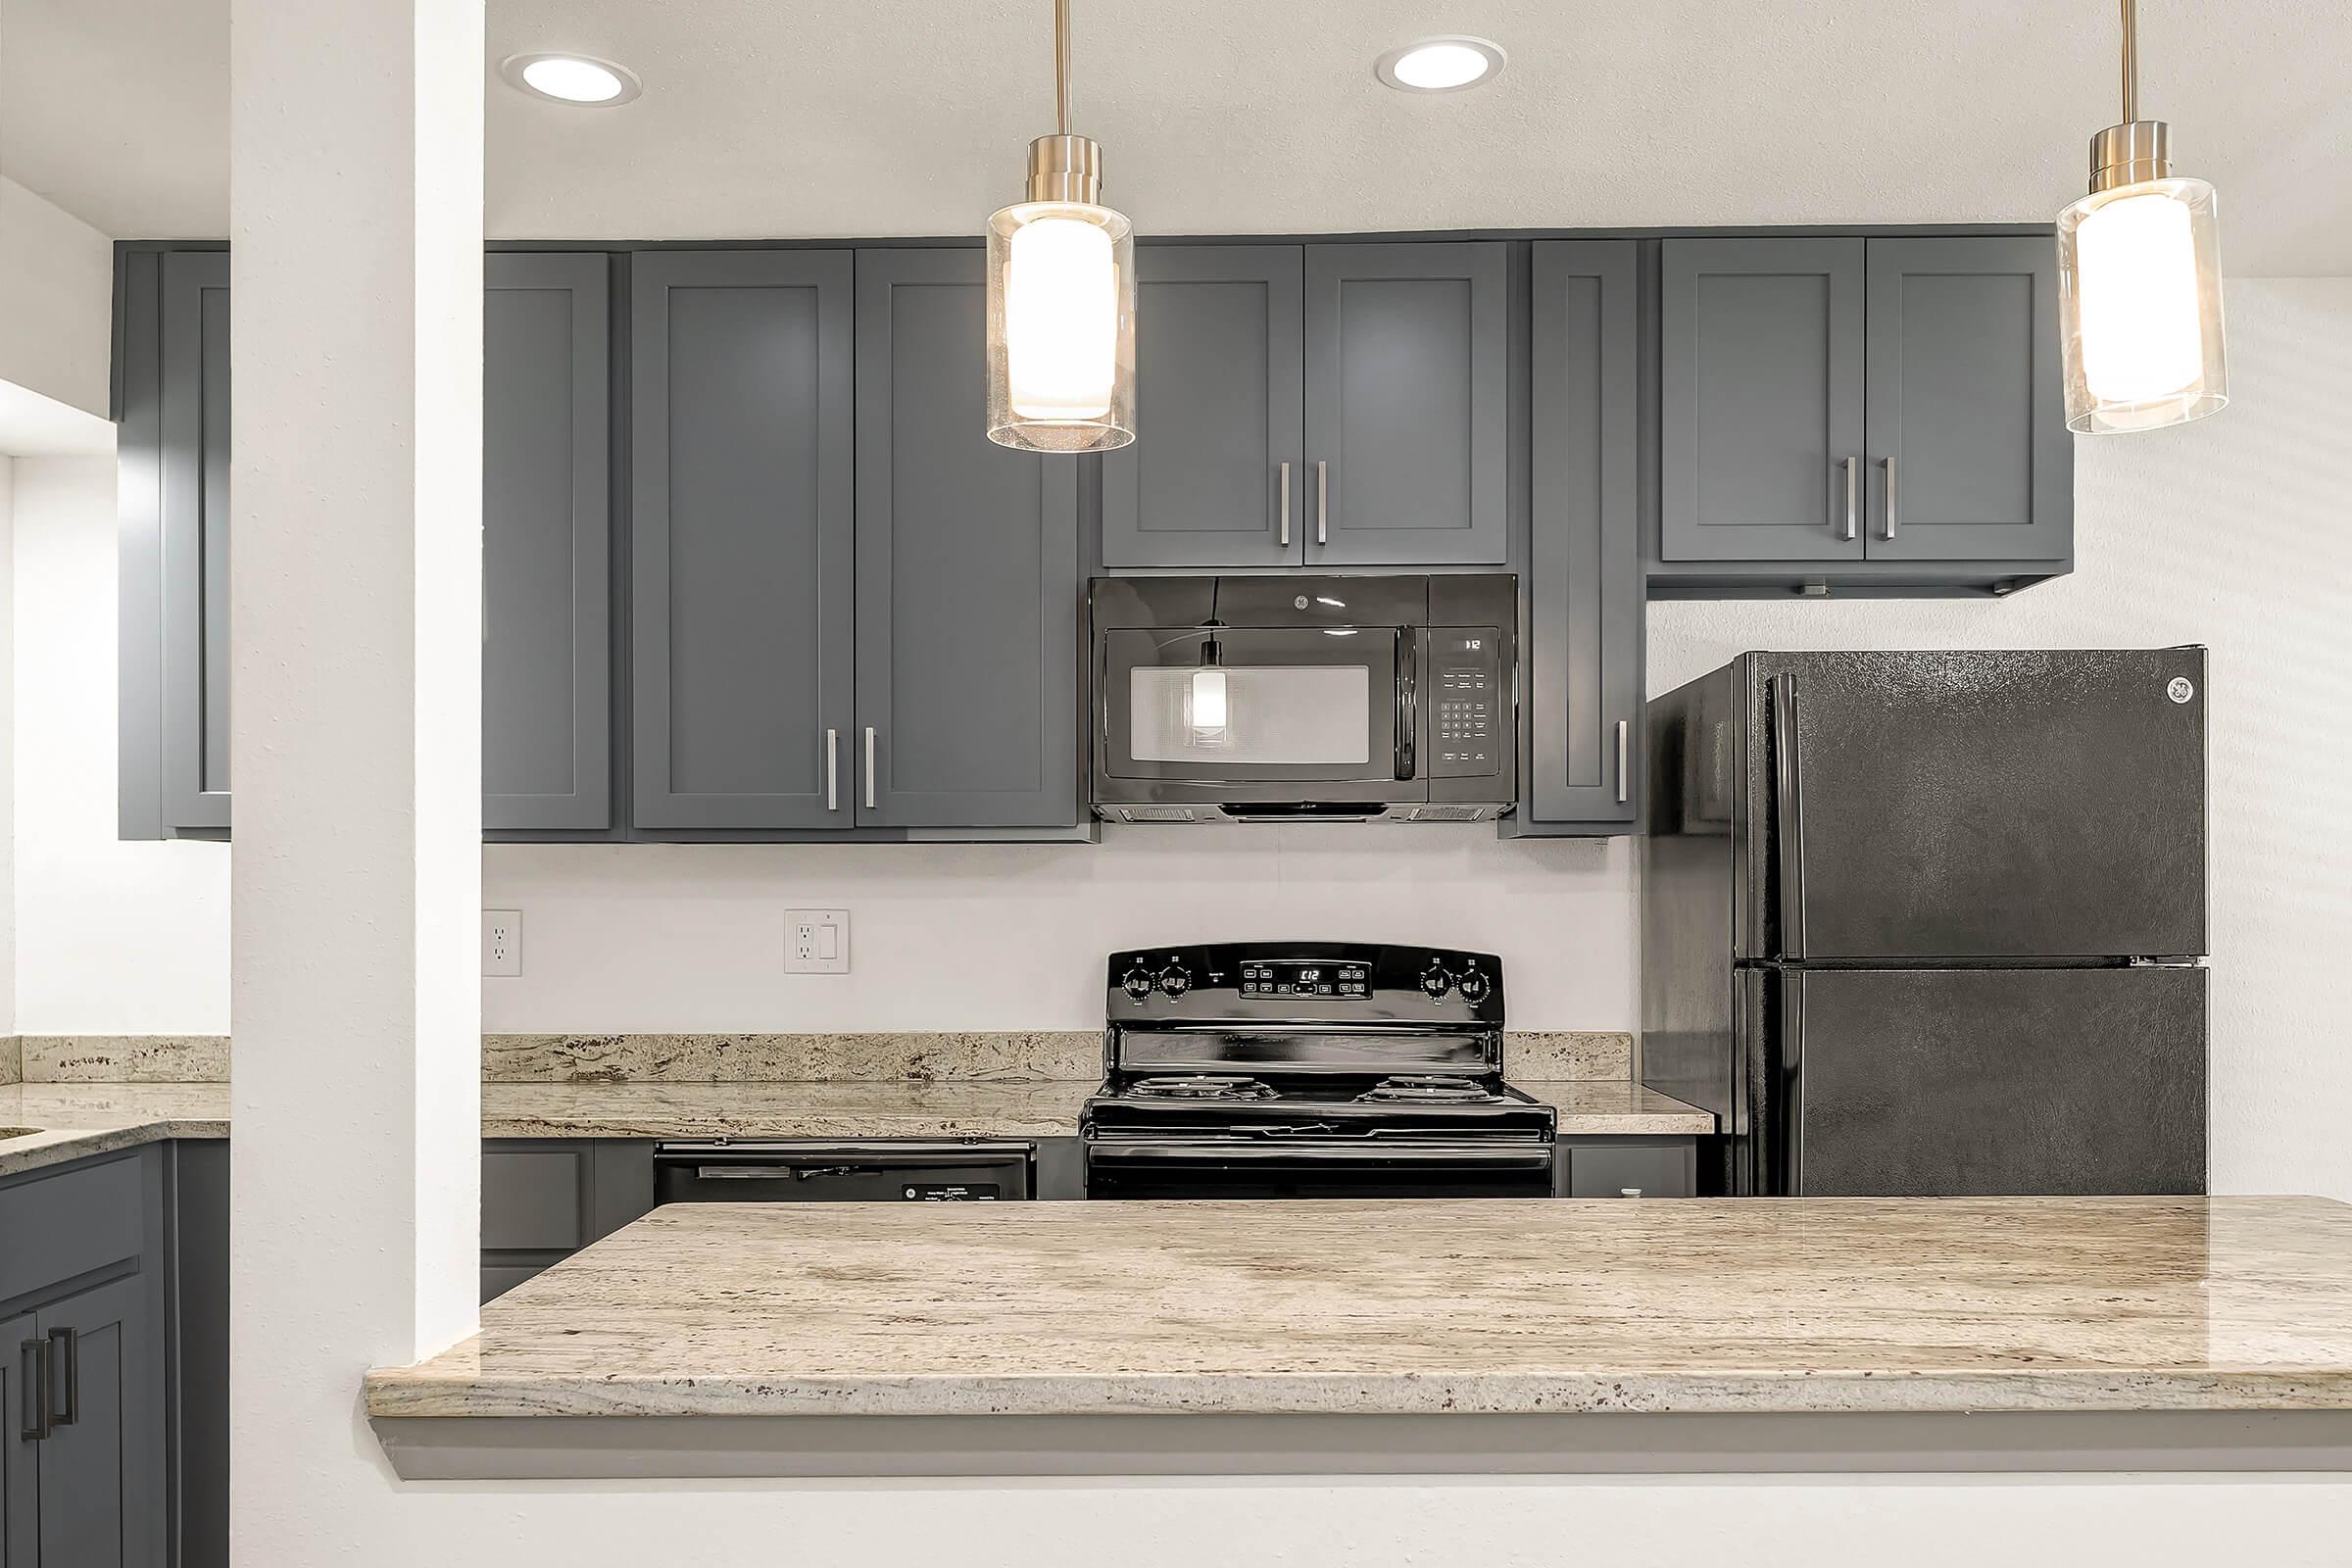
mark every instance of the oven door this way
{"type": "Point", "coordinates": [1268, 714]}
{"type": "Point", "coordinates": [1209, 1168]}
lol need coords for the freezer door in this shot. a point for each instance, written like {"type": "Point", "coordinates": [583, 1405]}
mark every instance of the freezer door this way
{"type": "Point", "coordinates": [1974, 805]}
{"type": "Point", "coordinates": [1958, 1083]}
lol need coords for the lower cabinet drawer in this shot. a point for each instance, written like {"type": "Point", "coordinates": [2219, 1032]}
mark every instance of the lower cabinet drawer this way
{"type": "Point", "coordinates": [1626, 1168]}
{"type": "Point", "coordinates": [70, 1220]}
{"type": "Point", "coordinates": [535, 1200]}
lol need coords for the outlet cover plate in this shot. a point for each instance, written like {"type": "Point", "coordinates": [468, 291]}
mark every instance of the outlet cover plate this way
{"type": "Point", "coordinates": [817, 942]}
{"type": "Point", "coordinates": [501, 942]}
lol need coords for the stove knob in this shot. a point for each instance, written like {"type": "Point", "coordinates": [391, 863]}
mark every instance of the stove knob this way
{"type": "Point", "coordinates": [1473, 986]}
{"type": "Point", "coordinates": [1435, 981]}
{"type": "Point", "coordinates": [1137, 983]}
{"type": "Point", "coordinates": [1174, 981]}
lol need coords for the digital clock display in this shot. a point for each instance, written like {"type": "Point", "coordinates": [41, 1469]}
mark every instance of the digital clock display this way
{"type": "Point", "coordinates": [1324, 978]}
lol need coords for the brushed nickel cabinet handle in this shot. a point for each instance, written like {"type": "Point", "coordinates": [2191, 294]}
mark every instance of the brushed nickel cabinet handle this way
{"type": "Point", "coordinates": [1625, 748]}
{"type": "Point", "coordinates": [870, 767]}
{"type": "Point", "coordinates": [1889, 533]}
{"type": "Point", "coordinates": [1286, 504]}
{"type": "Point", "coordinates": [1847, 463]}
{"type": "Point", "coordinates": [832, 771]}
{"type": "Point", "coordinates": [1322, 502]}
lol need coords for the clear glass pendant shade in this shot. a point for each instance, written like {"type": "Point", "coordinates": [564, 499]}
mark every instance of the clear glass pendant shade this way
{"type": "Point", "coordinates": [1061, 328]}
{"type": "Point", "coordinates": [2139, 301]}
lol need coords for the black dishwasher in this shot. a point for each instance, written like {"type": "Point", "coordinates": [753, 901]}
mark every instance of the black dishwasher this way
{"type": "Point", "coordinates": [878, 1171]}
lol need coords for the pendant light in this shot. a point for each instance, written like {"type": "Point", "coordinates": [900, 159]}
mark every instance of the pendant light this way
{"type": "Point", "coordinates": [1061, 296]}
{"type": "Point", "coordinates": [1205, 710]}
{"type": "Point", "coordinates": [2139, 280]}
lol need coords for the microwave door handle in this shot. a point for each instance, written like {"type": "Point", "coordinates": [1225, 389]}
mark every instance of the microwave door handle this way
{"type": "Point", "coordinates": [1408, 701]}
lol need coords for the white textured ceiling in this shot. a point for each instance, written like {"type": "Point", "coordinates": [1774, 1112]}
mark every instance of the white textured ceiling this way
{"type": "Point", "coordinates": [853, 117]}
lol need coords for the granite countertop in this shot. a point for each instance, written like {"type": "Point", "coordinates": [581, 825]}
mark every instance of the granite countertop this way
{"type": "Point", "coordinates": [89, 1118]}
{"type": "Point", "coordinates": [1423, 1309]}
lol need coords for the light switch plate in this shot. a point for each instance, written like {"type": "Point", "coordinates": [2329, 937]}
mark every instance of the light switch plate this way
{"type": "Point", "coordinates": [817, 942]}
{"type": "Point", "coordinates": [501, 942]}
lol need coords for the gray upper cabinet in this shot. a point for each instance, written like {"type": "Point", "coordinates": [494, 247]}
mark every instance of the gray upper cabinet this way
{"type": "Point", "coordinates": [195, 519]}
{"type": "Point", "coordinates": [967, 570]}
{"type": "Point", "coordinates": [1761, 405]}
{"type": "Point", "coordinates": [1966, 432]}
{"type": "Point", "coordinates": [742, 536]}
{"type": "Point", "coordinates": [1583, 582]}
{"type": "Point", "coordinates": [1408, 379]}
{"type": "Point", "coordinates": [1215, 478]}
{"type": "Point", "coordinates": [547, 538]}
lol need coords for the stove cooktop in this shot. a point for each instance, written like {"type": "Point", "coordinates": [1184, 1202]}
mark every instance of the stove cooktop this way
{"type": "Point", "coordinates": [1396, 1088]}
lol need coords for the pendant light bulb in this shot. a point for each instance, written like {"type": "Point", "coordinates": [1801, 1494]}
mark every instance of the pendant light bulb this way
{"type": "Point", "coordinates": [2139, 280]}
{"type": "Point", "coordinates": [1062, 297]}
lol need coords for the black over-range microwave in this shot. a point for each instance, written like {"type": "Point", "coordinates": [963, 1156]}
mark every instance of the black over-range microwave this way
{"type": "Point", "coordinates": [1292, 698]}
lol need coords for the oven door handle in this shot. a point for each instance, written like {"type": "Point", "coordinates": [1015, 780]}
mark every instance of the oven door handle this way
{"type": "Point", "coordinates": [1408, 699]}
{"type": "Point", "coordinates": [1533, 1158]}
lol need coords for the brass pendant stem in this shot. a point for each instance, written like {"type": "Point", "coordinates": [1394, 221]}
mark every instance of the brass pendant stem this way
{"type": "Point", "coordinates": [2131, 61]}
{"type": "Point", "coordinates": [1061, 66]}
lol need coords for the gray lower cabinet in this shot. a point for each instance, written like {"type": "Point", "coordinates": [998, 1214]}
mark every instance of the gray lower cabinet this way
{"type": "Point", "coordinates": [743, 538]}
{"type": "Point", "coordinates": [1407, 382]}
{"type": "Point", "coordinates": [84, 1477]}
{"type": "Point", "coordinates": [546, 541]}
{"type": "Point", "coordinates": [968, 643]}
{"type": "Point", "coordinates": [1627, 1167]}
{"type": "Point", "coordinates": [1583, 585]}
{"type": "Point", "coordinates": [544, 1199]}
{"type": "Point", "coordinates": [1216, 477]}
{"type": "Point", "coordinates": [1860, 413]}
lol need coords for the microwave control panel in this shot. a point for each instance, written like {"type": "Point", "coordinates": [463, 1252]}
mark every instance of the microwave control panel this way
{"type": "Point", "coordinates": [1465, 669]}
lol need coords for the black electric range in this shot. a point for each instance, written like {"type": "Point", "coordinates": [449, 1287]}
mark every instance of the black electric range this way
{"type": "Point", "coordinates": [1309, 1070]}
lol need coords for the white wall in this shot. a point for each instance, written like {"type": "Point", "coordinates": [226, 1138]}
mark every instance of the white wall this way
{"type": "Point", "coordinates": [8, 728]}
{"type": "Point", "coordinates": [2235, 532]}
{"type": "Point", "coordinates": [651, 938]}
{"type": "Point", "coordinates": [112, 938]}
{"type": "Point", "coordinates": [56, 301]}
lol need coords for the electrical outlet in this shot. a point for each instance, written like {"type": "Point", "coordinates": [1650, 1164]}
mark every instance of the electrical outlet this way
{"type": "Point", "coordinates": [817, 942]}
{"type": "Point", "coordinates": [501, 942]}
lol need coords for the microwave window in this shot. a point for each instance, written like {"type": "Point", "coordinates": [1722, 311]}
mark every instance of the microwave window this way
{"type": "Point", "coordinates": [1308, 715]}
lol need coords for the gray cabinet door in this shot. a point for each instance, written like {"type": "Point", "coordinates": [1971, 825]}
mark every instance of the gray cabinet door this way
{"type": "Point", "coordinates": [1407, 381]}
{"type": "Point", "coordinates": [1968, 436]}
{"type": "Point", "coordinates": [194, 501]}
{"type": "Point", "coordinates": [967, 570]}
{"type": "Point", "coordinates": [1215, 476]}
{"type": "Point", "coordinates": [102, 1493]}
{"type": "Point", "coordinates": [1585, 587]}
{"type": "Point", "coordinates": [20, 1454]}
{"type": "Point", "coordinates": [547, 532]}
{"type": "Point", "coordinates": [742, 535]}
{"type": "Point", "coordinates": [1760, 399]}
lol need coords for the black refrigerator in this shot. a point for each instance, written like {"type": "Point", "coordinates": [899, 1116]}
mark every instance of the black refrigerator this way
{"type": "Point", "coordinates": [1932, 923]}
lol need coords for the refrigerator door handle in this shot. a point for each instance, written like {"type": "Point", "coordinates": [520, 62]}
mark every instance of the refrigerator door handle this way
{"type": "Point", "coordinates": [1788, 818]}
{"type": "Point", "coordinates": [1789, 1089]}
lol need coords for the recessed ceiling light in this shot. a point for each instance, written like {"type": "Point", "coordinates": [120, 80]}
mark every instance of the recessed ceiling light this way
{"type": "Point", "coordinates": [580, 80]}
{"type": "Point", "coordinates": [1440, 64]}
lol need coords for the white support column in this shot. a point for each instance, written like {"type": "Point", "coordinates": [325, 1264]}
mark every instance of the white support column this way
{"type": "Point", "coordinates": [355, 233]}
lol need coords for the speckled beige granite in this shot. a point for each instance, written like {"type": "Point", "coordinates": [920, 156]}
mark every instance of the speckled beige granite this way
{"type": "Point", "coordinates": [71, 1120]}
{"type": "Point", "coordinates": [1786, 1305]}
{"type": "Point", "coordinates": [1550, 1055]}
{"type": "Point", "coordinates": [11, 1059]}
{"type": "Point", "coordinates": [1609, 1108]}
{"type": "Point", "coordinates": [791, 1057]}
{"type": "Point", "coordinates": [849, 1109]}
{"type": "Point", "coordinates": [126, 1059]}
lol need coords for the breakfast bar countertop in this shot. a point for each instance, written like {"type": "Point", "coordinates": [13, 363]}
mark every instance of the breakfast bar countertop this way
{"type": "Point", "coordinates": [1431, 1307]}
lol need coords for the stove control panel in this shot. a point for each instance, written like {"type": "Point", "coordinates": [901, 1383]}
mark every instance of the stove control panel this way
{"type": "Point", "coordinates": [1309, 981]}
